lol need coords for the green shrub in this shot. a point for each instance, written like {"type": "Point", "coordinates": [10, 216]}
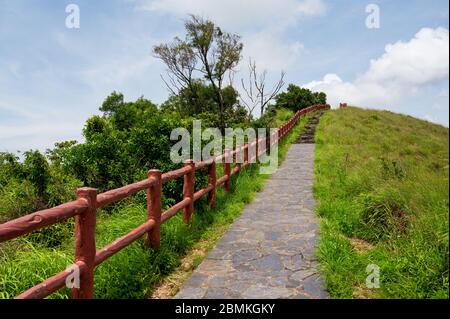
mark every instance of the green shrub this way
{"type": "Point", "coordinates": [384, 213]}
{"type": "Point", "coordinates": [297, 98]}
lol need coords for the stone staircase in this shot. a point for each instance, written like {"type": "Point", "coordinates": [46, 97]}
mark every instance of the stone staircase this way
{"type": "Point", "coordinates": [307, 136]}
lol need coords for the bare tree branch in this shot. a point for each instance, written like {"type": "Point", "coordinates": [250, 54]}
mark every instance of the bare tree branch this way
{"type": "Point", "coordinates": [256, 94]}
{"type": "Point", "coordinates": [168, 86]}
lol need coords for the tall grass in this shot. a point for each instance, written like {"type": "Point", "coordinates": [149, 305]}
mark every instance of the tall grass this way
{"type": "Point", "coordinates": [135, 271]}
{"type": "Point", "coordinates": [382, 184]}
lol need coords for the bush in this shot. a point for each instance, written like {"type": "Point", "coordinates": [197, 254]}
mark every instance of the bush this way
{"type": "Point", "coordinates": [383, 215]}
{"type": "Point", "coordinates": [18, 198]}
{"type": "Point", "coordinates": [297, 98]}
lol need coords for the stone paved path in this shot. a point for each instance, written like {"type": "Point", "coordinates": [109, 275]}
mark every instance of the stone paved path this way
{"type": "Point", "coordinates": [268, 252]}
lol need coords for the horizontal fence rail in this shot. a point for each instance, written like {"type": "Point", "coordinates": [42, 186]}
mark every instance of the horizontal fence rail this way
{"type": "Point", "coordinates": [84, 208]}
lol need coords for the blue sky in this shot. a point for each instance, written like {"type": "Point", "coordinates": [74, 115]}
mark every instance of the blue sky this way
{"type": "Point", "coordinates": [53, 78]}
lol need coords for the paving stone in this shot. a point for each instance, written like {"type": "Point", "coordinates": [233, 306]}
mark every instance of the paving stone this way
{"type": "Point", "coordinates": [191, 293]}
{"type": "Point", "coordinates": [282, 281]}
{"type": "Point", "coordinates": [217, 281]}
{"type": "Point", "coordinates": [302, 296]}
{"type": "Point", "coordinates": [272, 235]}
{"type": "Point", "coordinates": [295, 262]}
{"type": "Point", "coordinates": [271, 262]}
{"type": "Point", "coordinates": [314, 287]}
{"type": "Point", "coordinates": [219, 254]}
{"type": "Point", "coordinates": [242, 256]}
{"type": "Point", "coordinates": [216, 293]}
{"type": "Point", "coordinates": [265, 292]}
{"type": "Point", "coordinates": [301, 275]}
{"type": "Point", "coordinates": [247, 276]}
{"type": "Point", "coordinates": [197, 279]}
{"type": "Point", "coordinates": [243, 267]}
{"type": "Point", "coordinates": [237, 286]}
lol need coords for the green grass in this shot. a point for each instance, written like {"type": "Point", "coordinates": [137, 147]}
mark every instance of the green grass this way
{"type": "Point", "coordinates": [135, 271]}
{"type": "Point", "coordinates": [383, 178]}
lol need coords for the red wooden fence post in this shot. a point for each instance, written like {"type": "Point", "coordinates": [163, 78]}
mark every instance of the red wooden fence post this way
{"type": "Point", "coordinates": [188, 191]}
{"type": "Point", "coordinates": [245, 153]}
{"type": "Point", "coordinates": [154, 194]}
{"type": "Point", "coordinates": [256, 149]}
{"type": "Point", "coordinates": [266, 143]}
{"type": "Point", "coordinates": [227, 170]}
{"type": "Point", "coordinates": [85, 243]}
{"type": "Point", "coordinates": [212, 182]}
{"type": "Point", "coordinates": [237, 157]}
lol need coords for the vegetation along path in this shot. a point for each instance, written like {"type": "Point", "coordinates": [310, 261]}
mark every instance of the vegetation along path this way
{"type": "Point", "coordinates": [269, 252]}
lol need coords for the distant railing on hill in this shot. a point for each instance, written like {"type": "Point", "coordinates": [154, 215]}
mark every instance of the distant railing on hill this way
{"type": "Point", "coordinates": [84, 208]}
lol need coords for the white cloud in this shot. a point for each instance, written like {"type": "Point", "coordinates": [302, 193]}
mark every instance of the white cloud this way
{"type": "Point", "coordinates": [361, 93]}
{"type": "Point", "coordinates": [271, 52]}
{"type": "Point", "coordinates": [312, 7]}
{"type": "Point", "coordinates": [37, 123]}
{"type": "Point", "coordinates": [29, 129]}
{"type": "Point", "coordinates": [399, 74]}
{"type": "Point", "coordinates": [38, 135]}
{"type": "Point", "coordinates": [112, 69]}
{"type": "Point", "coordinates": [16, 110]}
{"type": "Point", "coordinates": [444, 93]}
{"type": "Point", "coordinates": [421, 60]}
{"type": "Point", "coordinates": [118, 72]}
{"type": "Point", "coordinates": [237, 13]}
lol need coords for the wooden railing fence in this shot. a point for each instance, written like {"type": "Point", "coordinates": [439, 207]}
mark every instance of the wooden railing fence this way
{"type": "Point", "coordinates": [84, 208]}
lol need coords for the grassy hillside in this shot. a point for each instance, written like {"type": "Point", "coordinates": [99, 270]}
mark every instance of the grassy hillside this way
{"type": "Point", "coordinates": [382, 186]}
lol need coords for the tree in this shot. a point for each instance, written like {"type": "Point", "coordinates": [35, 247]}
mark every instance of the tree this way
{"type": "Point", "coordinates": [123, 115]}
{"type": "Point", "coordinates": [297, 98]}
{"type": "Point", "coordinates": [257, 94]}
{"type": "Point", "coordinates": [320, 97]}
{"type": "Point", "coordinates": [94, 125]}
{"type": "Point", "coordinates": [206, 107]}
{"type": "Point", "coordinates": [9, 167]}
{"type": "Point", "coordinates": [206, 50]}
{"type": "Point", "coordinates": [56, 155]}
{"type": "Point", "coordinates": [37, 171]}
{"type": "Point", "coordinates": [200, 99]}
{"type": "Point", "coordinates": [112, 103]}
